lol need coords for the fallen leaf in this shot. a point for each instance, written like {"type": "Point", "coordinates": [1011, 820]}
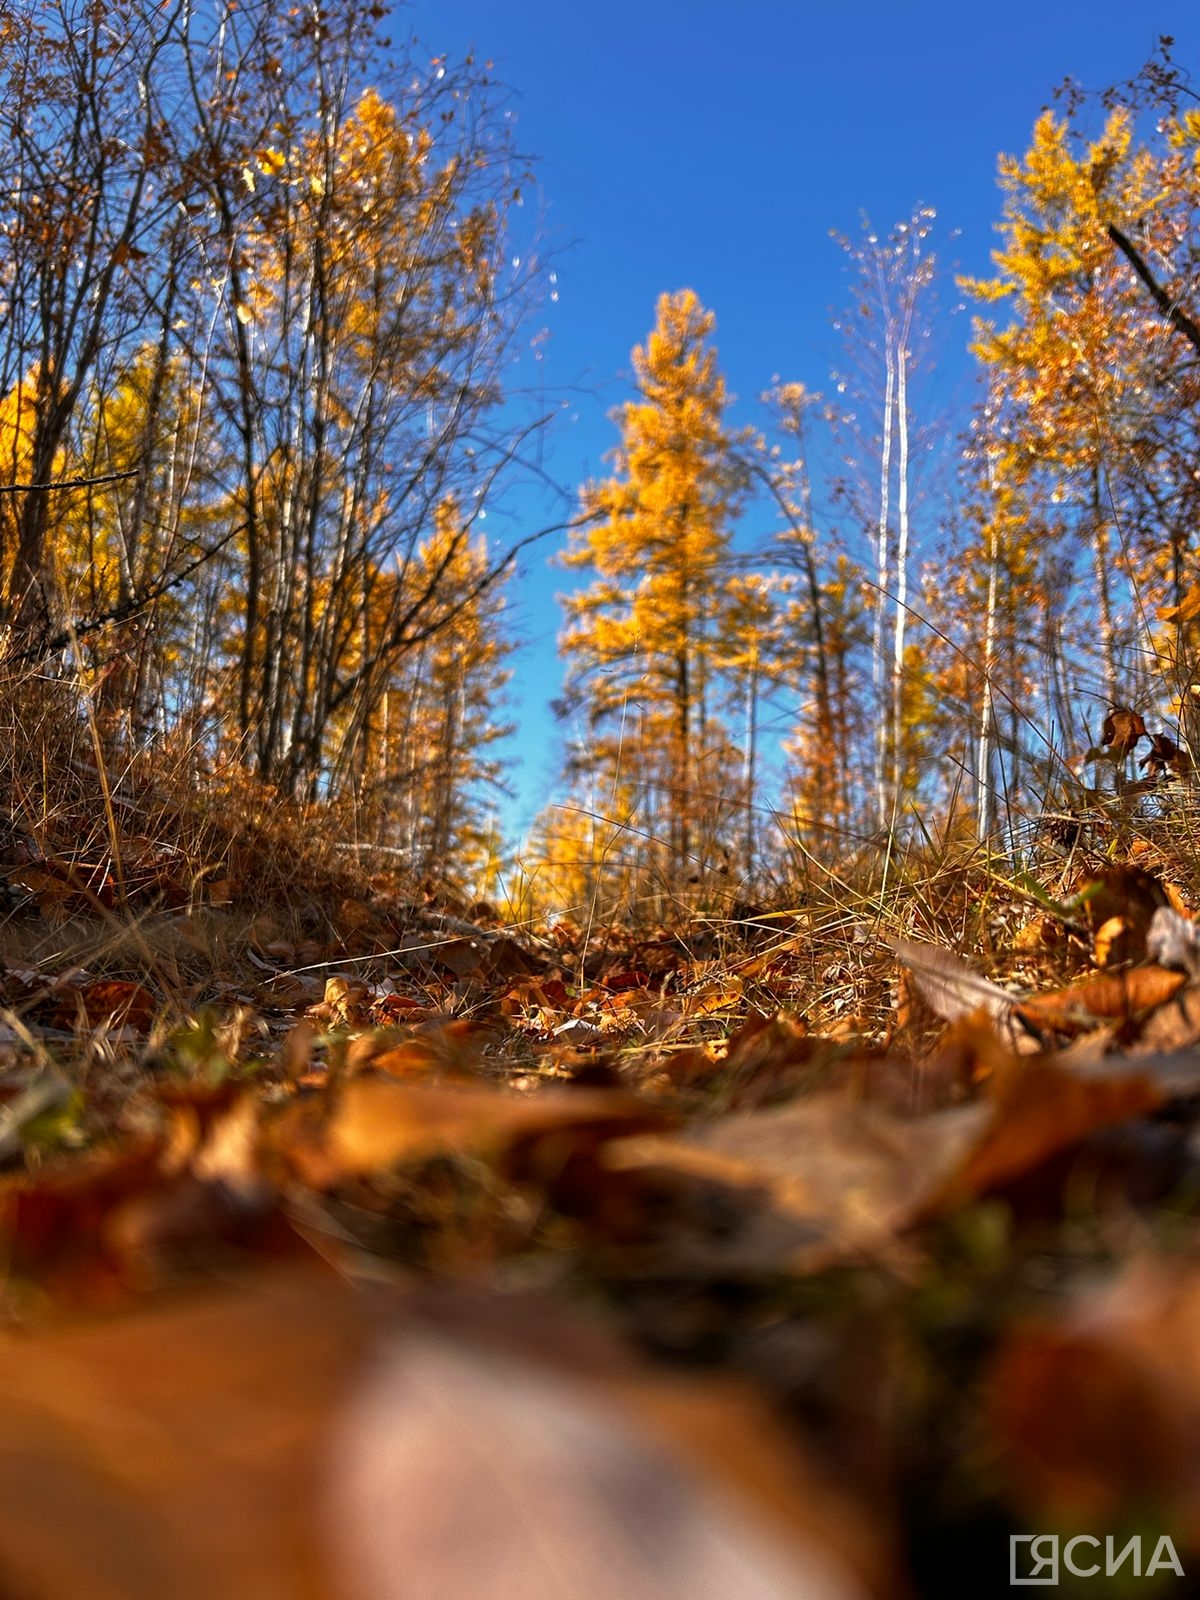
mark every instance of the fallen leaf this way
{"type": "Point", "coordinates": [301, 1441]}
{"type": "Point", "coordinates": [1174, 1025]}
{"type": "Point", "coordinates": [955, 990]}
{"type": "Point", "coordinates": [1122, 729]}
{"type": "Point", "coordinates": [853, 1175]}
{"type": "Point", "coordinates": [345, 1004]}
{"type": "Point", "coordinates": [443, 1047]}
{"type": "Point", "coordinates": [1173, 940]}
{"type": "Point", "coordinates": [459, 956]}
{"type": "Point", "coordinates": [1128, 893]}
{"type": "Point", "coordinates": [1096, 1412]}
{"type": "Point", "coordinates": [371, 1124]}
{"type": "Point", "coordinates": [1164, 754]}
{"type": "Point", "coordinates": [518, 1462]}
{"type": "Point", "coordinates": [113, 1003]}
{"type": "Point", "coordinates": [842, 1177]}
{"type": "Point", "coordinates": [1112, 997]}
{"type": "Point", "coordinates": [1039, 1107]}
{"type": "Point", "coordinates": [176, 1451]}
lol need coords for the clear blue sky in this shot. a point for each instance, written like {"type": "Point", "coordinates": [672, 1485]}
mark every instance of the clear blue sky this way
{"type": "Point", "coordinates": [689, 143]}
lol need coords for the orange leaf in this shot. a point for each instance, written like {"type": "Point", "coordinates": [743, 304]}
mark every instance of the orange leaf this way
{"type": "Point", "coordinates": [114, 1003]}
{"type": "Point", "coordinates": [1115, 997]}
{"type": "Point", "coordinates": [372, 1124]}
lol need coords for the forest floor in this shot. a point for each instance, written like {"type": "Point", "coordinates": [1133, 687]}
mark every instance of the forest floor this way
{"type": "Point", "coordinates": [359, 1243]}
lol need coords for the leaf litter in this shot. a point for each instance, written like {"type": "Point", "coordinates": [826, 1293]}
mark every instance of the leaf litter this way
{"type": "Point", "coordinates": [288, 1236]}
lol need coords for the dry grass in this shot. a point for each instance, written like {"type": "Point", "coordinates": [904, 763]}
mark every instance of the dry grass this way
{"type": "Point", "coordinates": [175, 869]}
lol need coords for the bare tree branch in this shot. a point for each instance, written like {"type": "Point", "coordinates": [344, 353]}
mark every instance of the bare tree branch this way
{"type": "Point", "coordinates": [123, 612]}
{"type": "Point", "coordinates": [1175, 315]}
{"type": "Point", "coordinates": [68, 483]}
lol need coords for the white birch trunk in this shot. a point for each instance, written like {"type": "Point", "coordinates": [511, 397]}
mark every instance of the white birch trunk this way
{"type": "Point", "coordinates": [983, 771]}
{"type": "Point", "coordinates": [882, 570]}
{"type": "Point", "coordinates": [901, 565]}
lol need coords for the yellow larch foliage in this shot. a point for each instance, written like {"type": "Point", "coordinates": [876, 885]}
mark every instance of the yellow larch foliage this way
{"type": "Point", "coordinates": [421, 742]}
{"type": "Point", "coordinates": [17, 424]}
{"type": "Point", "coordinates": [644, 639]}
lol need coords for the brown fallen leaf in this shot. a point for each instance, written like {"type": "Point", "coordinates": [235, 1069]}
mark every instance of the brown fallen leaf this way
{"type": "Point", "coordinates": [1111, 997]}
{"type": "Point", "coordinates": [762, 1051]}
{"type": "Point", "coordinates": [956, 991]}
{"type": "Point", "coordinates": [1124, 894]}
{"type": "Point", "coordinates": [617, 1481]}
{"type": "Point", "coordinates": [1165, 755]}
{"type": "Point", "coordinates": [107, 1002]}
{"type": "Point", "coordinates": [346, 1004]}
{"type": "Point", "coordinates": [436, 1047]}
{"type": "Point", "coordinates": [176, 1451]}
{"type": "Point", "coordinates": [60, 885]}
{"type": "Point", "coordinates": [851, 1176]}
{"type": "Point", "coordinates": [1174, 1025]}
{"type": "Point", "coordinates": [459, 956]}
{"type": "Point", "coordinates": [1123, 728]}
{"type": "Point", "coordinates": [505, 958]}
{"type": "Point", "coordinates": [1038, 1108]}
{"type": "Point", "coordinates": [820, 1180]}
{"type": "Point", "coordinates": [370, 1124]}
{"type": "Point", "coordinates": [52, 1213]}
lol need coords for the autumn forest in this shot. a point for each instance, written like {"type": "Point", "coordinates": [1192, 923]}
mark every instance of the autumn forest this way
{"type": "Point", "coordinates": [258, 332]}
{"type": "Point", "coordinates": [773, 1171]}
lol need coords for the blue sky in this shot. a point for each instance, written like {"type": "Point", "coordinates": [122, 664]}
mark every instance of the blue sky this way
{"type": "Point", "coordinates": [686, 143]}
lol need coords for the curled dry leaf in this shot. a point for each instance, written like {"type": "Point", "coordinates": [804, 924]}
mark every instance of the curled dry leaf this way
{"type": "Point", "coordinates": [955, 991]}
{"type": "Point", "coordinates": [1123, 728]}
{"type": "Point", "coordinates": [1164, 756]}
{"type": "Point", "coordinates": [1122, 900]}
{"type": "Point", "coordinates": [850, 1176]}
{"type": "Point", "coordinates": [1173, 940]}
{"type": "Point", "coordinates": [435, 1047]}
{"type": "Point", "coordinates": [459, 956]}
{"type": "Point", "coordinates": [1039, 1108]}
{"type": "Point", "coordinates": [107, 1002]}
{"type": "Point", "coordinates": [821, 1180]}
{"type": "Point", "coordinates": [762, 1051]}
{"type": "Point", "coordinates": [346, 1004]}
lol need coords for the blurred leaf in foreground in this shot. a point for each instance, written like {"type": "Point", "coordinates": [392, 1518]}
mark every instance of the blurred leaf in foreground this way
{"type": "Point", "coordinates": [300, 1441]}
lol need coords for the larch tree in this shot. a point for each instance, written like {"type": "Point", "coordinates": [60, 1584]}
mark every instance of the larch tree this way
{"type": "Point", "coordinates": [143, 546]}
{"type": "Point", "coordinates": [643, 641]}
{"type": "Point", "coordinates": [421, 741]}
{"type": "Point", "coordinates": [258, 319]}
{"type": "Point", "coordinates": [751, 650]}
{"type": "Point", "coordinates": [368, 310]}
{"type": "Point", "coordinates": [1061, 369]}
{"type": "Point", "coordinates": [1093, 379]}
